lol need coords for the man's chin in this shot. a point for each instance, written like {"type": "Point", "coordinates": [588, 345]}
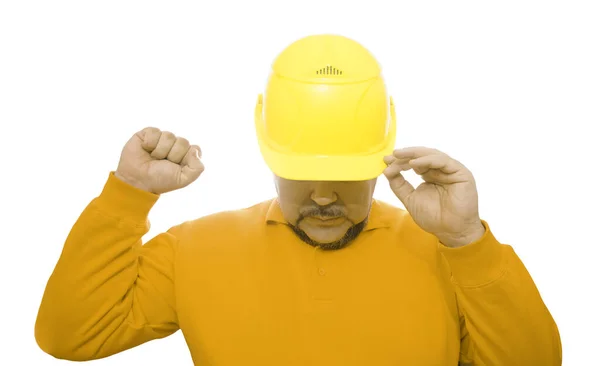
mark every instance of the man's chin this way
{"type": "Point", "coordinates": [325, 236]}
{"type": "Point", "coordinates": [328, 238]}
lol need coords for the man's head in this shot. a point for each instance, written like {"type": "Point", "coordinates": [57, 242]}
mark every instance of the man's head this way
{"type": "Point", "coordinates": [326, 214]}
{"type": "Point", "coordinates": [324, 123]}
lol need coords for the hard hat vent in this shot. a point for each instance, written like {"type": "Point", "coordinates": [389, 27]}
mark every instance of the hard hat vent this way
{"type": "Point", "coordinates": [329, 70]}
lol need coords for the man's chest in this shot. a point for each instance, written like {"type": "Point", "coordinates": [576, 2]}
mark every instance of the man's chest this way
{"type": "Point", "coordinates": [318, 312]}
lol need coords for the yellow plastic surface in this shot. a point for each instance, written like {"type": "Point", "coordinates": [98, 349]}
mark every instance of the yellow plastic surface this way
{"type": "Point", "coordinates": [325, 113]}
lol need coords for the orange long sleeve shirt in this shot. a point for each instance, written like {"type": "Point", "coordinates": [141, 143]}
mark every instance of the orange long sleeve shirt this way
{"type": "Point", "coordinates": [244, 290]}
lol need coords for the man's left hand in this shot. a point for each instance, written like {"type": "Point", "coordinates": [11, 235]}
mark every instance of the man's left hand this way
{"type": "Point", "coordinates": [446, 204]}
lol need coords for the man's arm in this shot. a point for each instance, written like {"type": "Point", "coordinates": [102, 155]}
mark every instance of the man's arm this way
{"type": "Point", "coordinates": [108, 292]}
{"type": "Point", "coordinates": [504, 320]}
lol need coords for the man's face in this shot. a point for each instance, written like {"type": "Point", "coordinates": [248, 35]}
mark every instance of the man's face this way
{"type": "Point", "coordinates": [325, 214]}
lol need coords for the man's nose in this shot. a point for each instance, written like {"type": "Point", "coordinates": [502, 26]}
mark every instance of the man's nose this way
{"type": "Point", "coordinates": [324, 194]}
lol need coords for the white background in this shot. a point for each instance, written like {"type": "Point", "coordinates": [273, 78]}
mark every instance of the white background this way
{"type": "Point", "coordinates": [511, 89]}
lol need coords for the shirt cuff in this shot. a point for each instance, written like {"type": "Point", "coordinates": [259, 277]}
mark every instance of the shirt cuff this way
{"type": "Point", "coordinates": [477, 263]}
{"type": "Point", "coordinates": [122, 200]}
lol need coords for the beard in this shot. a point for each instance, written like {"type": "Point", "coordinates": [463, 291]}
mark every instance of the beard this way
{"type": "Point", "coordinates": [351, 234]}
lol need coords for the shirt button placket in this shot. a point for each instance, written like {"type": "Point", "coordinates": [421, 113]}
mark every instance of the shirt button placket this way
{"type": "Point", "coordinates": [322, 290]}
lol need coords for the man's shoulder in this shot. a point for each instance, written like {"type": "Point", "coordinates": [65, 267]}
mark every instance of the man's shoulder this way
{"type": "Point", "coordinates": [241, 218]}
{"type": "Point", "coordinates": [230, 231]}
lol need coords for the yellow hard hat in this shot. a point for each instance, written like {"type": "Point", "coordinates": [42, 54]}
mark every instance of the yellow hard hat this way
{"type": "Point", "coordinates": [325, 114]}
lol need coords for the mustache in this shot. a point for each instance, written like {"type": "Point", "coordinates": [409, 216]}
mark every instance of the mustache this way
{"type": "Point", "coordinates": [331, 211]}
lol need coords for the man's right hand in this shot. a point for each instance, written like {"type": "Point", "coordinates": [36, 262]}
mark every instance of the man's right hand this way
{"type": "Point", "coordinates": [159, 162]}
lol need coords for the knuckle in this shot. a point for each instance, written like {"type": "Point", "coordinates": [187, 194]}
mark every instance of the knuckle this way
{"type": "Point", "coordinates": [168, 135]}
{"type": "Point", "coordinates": [149, 131]}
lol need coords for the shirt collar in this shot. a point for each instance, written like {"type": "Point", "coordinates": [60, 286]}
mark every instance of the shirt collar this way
{"type": "Point", "coordinates": [377, 215]}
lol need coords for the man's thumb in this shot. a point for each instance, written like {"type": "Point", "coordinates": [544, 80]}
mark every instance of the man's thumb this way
{"type": "Point", "coordinates": [191, 165]}
{"type": "Point", "coordinates": [401, 187]}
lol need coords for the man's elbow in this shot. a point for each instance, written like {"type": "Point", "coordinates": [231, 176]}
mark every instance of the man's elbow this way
{"type": "Point", "coordinates": [54, 343]}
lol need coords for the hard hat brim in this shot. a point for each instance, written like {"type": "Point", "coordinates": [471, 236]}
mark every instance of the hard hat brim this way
{"type": "Point", "coordinates": [308, 167]}
{"type": "Point", "coordinates": [324, 168]}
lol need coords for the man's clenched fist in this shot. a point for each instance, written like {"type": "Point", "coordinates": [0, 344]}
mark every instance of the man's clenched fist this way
{"type": "Point", "coordinates": [159, 162]}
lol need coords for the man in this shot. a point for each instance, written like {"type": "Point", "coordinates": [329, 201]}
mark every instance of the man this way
{"type": "Point", "coordinates": [321, 275]}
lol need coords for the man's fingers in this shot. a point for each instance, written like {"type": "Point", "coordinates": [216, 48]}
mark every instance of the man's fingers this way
{"type": "Point", "coordinates": [191, 165]}
{"type": "Point", "coordinates": [415, 152]}
{"type": "Point", "coordinates": [399, 164]}
{"type": "Point", "coordinates": [165, 143]}
{"type": "Point", "coordinates": [400, 186]}
{"type": "Point", "coordinates": [435, 168]}
{"type": "Point", "coordinates": [391, 171]}
{"type": "Point", "coordinates": [389, 159]}
{"type": "Point", "coordinates": [436, 176]}
{"type": "Point", "coordinates": [179, 149]}
{"type": "Point", "coordinates": [192, 157]}
{"type": "Point", "coordinates": [441, 162]}
{"type": "Point", "coordinates": [149, 137]}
